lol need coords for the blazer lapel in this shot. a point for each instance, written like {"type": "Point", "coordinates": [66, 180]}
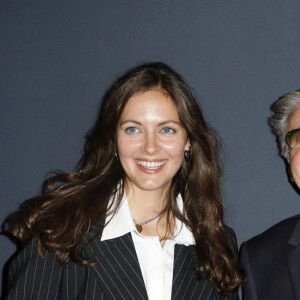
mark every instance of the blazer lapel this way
{"type": "Point", "coordinates": [117, 269]}
{"type": "Point", "coordinates": [185, 283]}
{"type": "Point", "coordinates": [293, 260]}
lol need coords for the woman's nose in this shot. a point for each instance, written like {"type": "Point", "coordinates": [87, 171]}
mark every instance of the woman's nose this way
{"type": "Point", "coordinates": [151, 144]}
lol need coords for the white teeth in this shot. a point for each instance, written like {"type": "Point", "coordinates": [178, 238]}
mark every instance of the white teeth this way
{"type": "Point", "coordinates": [151, 165]}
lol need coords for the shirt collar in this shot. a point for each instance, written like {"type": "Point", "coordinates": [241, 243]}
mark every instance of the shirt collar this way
{"type": "Point", "coordinates": [121, 223]}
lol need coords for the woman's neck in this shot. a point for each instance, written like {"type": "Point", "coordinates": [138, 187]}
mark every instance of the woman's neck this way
{"type": "Point", "coordinates": [145, 204]}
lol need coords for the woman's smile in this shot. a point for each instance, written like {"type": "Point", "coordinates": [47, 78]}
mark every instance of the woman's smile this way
{"type": "Point", "coordinates": [151, 167]}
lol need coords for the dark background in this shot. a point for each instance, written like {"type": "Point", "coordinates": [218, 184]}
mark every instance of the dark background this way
{"type": "Point", "coordinates": [57, 58]}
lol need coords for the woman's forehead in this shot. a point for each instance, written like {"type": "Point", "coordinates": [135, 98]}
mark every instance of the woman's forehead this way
{"type": "Point", "coordinates": [153, 104]}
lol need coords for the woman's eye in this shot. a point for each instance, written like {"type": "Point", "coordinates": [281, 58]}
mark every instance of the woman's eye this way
{"type": "Point", "coordinates": [168, 130]}
{"type": "Point", "coordinates": [132, 130]}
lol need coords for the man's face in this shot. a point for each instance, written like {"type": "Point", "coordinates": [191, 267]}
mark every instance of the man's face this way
{"type": "Point", "coordinates": [294, 123]}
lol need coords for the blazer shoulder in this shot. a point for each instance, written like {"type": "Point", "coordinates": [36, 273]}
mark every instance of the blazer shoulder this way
{"type": "Point", "coordinates": [29, 276]}
{"type": "Point", "coordinates": [279, 232]}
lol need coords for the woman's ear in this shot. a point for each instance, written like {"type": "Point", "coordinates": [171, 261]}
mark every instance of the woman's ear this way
{"type": "Point", "coordinates": [187, 145]}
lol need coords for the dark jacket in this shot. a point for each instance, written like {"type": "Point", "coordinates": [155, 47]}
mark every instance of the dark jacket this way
{"type": "Point", "coordinates": [272, 263]}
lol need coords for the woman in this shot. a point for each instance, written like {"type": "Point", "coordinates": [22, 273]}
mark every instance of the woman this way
{"type": "Point", "coordinates": [142, 217]}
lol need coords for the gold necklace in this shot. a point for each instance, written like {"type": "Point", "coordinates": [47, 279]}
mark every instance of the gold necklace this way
{"type": "Point", "coordinates": [139, 226]}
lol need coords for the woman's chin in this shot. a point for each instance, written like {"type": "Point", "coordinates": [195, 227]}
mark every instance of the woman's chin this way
{"type": "Point", "coordinates": [149, 185]}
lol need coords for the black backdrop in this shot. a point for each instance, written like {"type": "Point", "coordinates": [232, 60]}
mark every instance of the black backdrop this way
{"type": "Point", "coordinates": [57, 58]}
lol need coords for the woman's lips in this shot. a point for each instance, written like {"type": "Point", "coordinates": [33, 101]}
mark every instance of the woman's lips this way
{"type": "Point", "coordinates": [150, 167]}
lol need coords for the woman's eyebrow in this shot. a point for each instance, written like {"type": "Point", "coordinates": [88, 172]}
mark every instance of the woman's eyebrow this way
{"type": "Point", "coordinates": [130, 121]}
{"type": "Point", "coordinates": [159, 124]}
{"type": "Point", "coordinates": [170, 121]}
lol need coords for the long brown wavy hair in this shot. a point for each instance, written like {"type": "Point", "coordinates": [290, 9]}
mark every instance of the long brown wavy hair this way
{"type": "Point", "coordinates": [72, 202]}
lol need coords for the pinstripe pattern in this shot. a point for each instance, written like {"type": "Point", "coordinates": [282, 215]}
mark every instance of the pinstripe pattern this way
{"type": "Point", "coordinates": [117, 275]}
{"type": "Point", "coordinates": [118, 272]}
{"type": "Point", "coordinates": [185, 283]}
{"type": "Point", "coordinates": [32, 277]}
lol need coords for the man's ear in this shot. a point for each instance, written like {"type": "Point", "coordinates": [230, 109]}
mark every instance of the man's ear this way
{"type": "Point", "coordinates": [290, 173]}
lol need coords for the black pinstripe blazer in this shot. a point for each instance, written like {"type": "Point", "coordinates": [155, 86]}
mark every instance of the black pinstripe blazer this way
{"type": "Point", "coordinates": [117, 275]}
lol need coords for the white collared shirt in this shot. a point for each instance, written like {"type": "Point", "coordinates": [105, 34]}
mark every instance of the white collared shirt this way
{"type": "Point", "coordinates": [156, 262]}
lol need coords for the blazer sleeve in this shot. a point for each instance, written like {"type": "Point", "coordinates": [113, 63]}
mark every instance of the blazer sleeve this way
{"type": "Point", "coordinates": [32, 277]}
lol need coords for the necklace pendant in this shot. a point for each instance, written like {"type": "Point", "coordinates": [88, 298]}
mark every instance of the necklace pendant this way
{"type": "Point", "coordinates": [139, 227]}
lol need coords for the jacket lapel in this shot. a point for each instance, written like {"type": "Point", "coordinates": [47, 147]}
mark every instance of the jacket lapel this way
{"type": "Point", "coordinates": [185, 283]}
{"type": "Point", "coordinates": [293, 260]}
{"type": "Point", "coordinates": [117, 269]}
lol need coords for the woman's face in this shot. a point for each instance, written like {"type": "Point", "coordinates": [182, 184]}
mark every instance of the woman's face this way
{"type": "Point", "coordinates": [151, 141]}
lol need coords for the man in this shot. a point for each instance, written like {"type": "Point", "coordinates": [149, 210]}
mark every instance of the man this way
{"type": "Point", "coordinates": [272, 259]}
